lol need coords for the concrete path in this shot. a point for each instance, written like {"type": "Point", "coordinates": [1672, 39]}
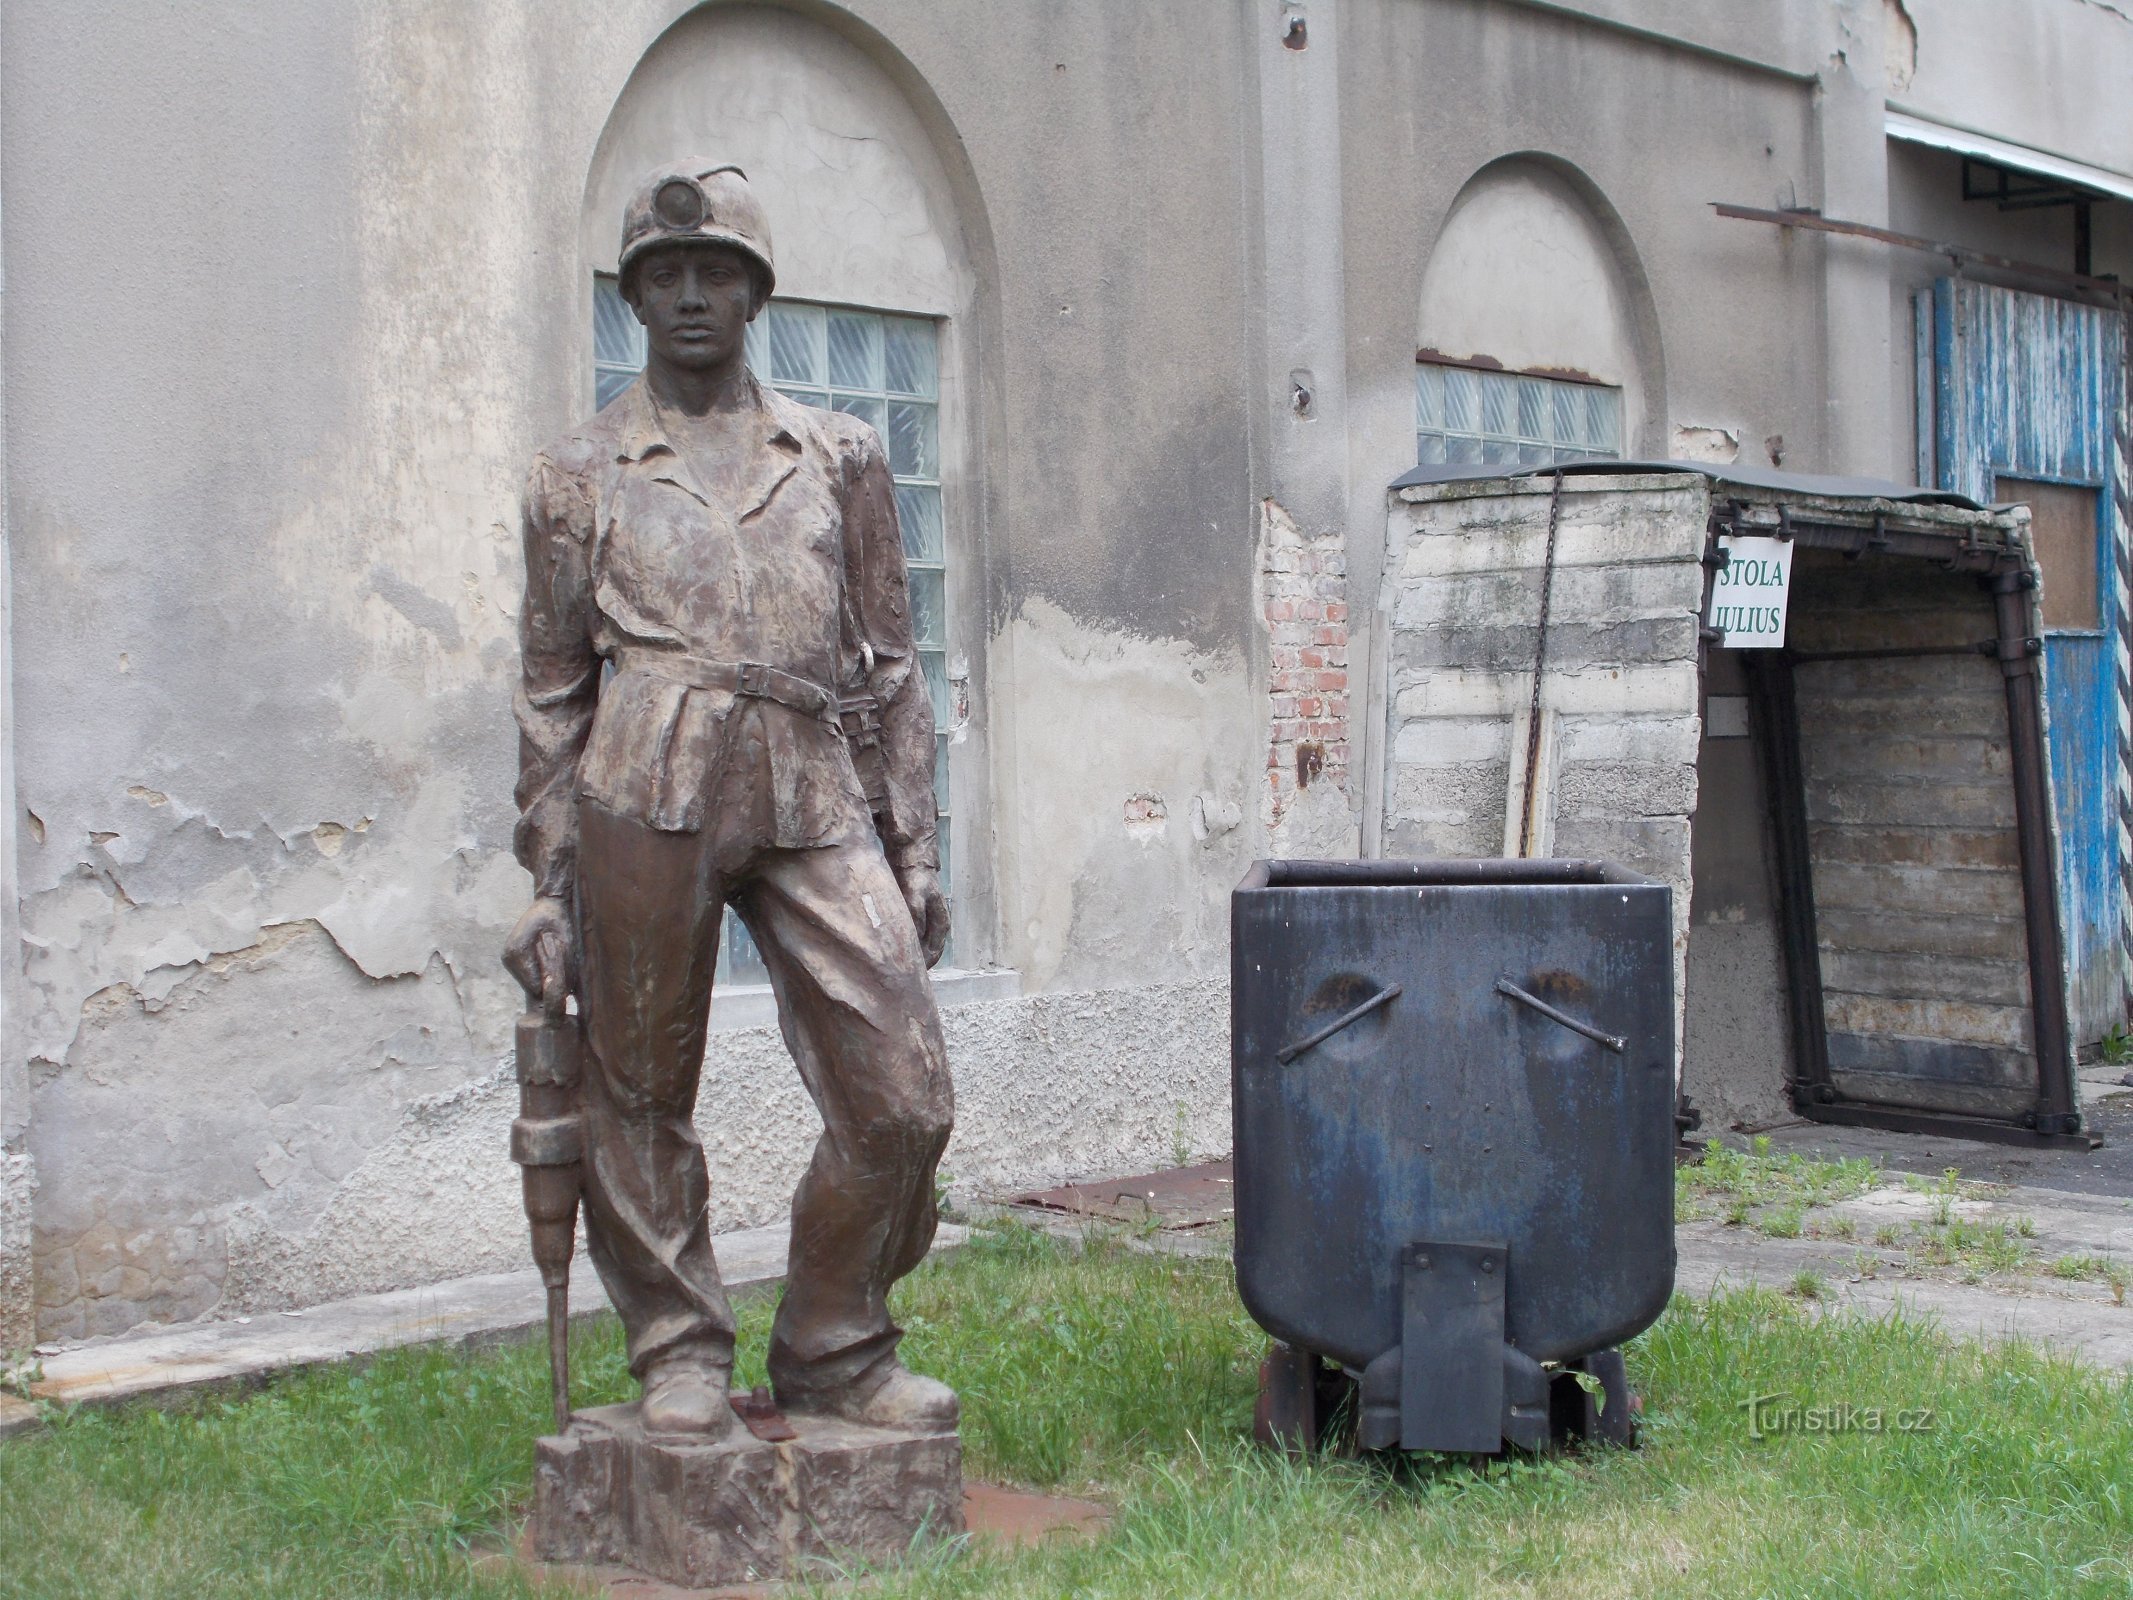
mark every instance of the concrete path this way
{"type": "Point", "coordinates": [171, 1360]}
{"type": "Point", "coordinates": [2079, 1318]}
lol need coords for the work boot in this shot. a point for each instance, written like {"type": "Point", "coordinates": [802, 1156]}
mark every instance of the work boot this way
{"type": "Point", "coordinates": [894, 1397]}
{"type": "Point", "coordinates": [685, 1398]}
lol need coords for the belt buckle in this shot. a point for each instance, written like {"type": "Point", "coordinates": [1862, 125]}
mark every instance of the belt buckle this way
{"type": "Point", "coordinates": [755, 680]}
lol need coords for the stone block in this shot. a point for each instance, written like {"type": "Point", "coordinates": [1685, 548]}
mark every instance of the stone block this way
{"type": "Point", "coordinates": [741, 1510]}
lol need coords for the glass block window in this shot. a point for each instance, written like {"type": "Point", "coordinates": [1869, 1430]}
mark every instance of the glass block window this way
{"type": "Point", "coordinates": [618, 341]}
{"type": "Point", "coordinates": [886, 370]}
{"type": "Point", "coordinates": [1506, 419]}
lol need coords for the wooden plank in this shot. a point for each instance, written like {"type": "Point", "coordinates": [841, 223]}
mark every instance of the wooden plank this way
{"type": "Point", "coordinates": [1916, 847]}
{"type": "Point", "coordinates": [1964, 1022]}
{"type": "Point", "coordinates": [1933, 891]}
{"type": "Point", "coordinates": [1871, 928]}
{"type": "Point", "coordinates": [1884, 757]}
{"type": "Point", "coordinates": [1914, 975]}
{"type": "Point", "coordinates": [1910, 805]}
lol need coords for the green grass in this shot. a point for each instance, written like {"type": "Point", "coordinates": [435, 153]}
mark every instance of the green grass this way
{"type": "Point", "coordinates": [1787, 1196]}
{"type": "Point", "coordinates": [1130, 1376]}
{"type": "Point", "coordinates": [1771, 1193]}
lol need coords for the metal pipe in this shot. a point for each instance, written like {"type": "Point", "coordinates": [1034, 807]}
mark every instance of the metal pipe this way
{"type": "Point", "coordinates": [1289, 1052]}
{"type": "Point", "coordinates": [1818, 223]}
{"type": "Point", "coordinates": [1609, 1041]}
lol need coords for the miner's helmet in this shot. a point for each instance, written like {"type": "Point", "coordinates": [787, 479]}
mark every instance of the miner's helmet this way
{"type": "Point", "coordinates": [688, 201]}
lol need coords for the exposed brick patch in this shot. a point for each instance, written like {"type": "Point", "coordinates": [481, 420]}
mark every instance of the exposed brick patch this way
{"type": "Point", "coordinates": [1303, 594]}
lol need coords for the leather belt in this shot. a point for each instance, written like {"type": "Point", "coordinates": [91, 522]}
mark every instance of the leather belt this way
{"type": "Point", "coordinates": [748, 678]}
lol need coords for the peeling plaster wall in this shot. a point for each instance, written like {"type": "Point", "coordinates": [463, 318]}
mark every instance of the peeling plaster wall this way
{"type": "Point", "coordinates": [264, 584]}
{"type": "Point", "coordinates": [1131, 813]}
{"type": "Point", "coordinates": [1303, 595]}
{"type": "Point", "coordinates": [2050, 74]}
{"type": "Point", "coordinates": [264, 512]}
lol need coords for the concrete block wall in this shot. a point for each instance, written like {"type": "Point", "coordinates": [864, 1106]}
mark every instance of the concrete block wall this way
{"type": "Point", "coordinates": [1619, 698]}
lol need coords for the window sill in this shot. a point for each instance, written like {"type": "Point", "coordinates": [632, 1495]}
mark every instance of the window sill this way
{"type": "Point", "coordinates": [752, 1005]}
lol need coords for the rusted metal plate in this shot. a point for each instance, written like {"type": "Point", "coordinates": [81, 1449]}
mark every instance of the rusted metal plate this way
{"type": "Point", "coordinates": [759, 1410]}
{"type": "Point", "coordinates": [1183, 1197]}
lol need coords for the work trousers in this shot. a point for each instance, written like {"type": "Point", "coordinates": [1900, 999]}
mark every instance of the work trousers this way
{"type": "Point", "coordinates": [858, 1016]}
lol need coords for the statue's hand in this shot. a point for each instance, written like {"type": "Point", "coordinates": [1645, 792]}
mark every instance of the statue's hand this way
{"type": "Point", "coordinates": [929, 908]}
{"type": "Point", "coordinates": [542, 953]}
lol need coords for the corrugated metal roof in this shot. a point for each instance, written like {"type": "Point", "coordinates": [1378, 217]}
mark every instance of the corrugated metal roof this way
{"type": "Point", "coordinates": [1744, 474]}
{"type": "Point", "coordinates": [2016, 157]}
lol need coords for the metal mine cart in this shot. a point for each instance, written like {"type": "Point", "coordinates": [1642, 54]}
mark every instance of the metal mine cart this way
{"type": "Point", "coordinates": [1453, 1091]}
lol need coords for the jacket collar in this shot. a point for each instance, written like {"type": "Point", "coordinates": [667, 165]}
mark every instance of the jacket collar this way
{"type": "Point", "coordinates": [775, 447]}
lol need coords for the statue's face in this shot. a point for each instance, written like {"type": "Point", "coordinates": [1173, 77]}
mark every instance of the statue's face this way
{"type": "Point", "coordinates": [695, 301]}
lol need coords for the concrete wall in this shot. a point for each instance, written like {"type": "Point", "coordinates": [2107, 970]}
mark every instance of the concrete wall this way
{"type": "Point", "coordinates": [1737, 1051]}
{"type": "Point", "coordinates": [2044, 73]}
{"type": "Point", "coordinates": [1524, 276]}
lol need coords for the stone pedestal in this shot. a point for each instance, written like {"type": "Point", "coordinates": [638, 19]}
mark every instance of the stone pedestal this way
{"type": "Point", "coordinates": [740, 1510]}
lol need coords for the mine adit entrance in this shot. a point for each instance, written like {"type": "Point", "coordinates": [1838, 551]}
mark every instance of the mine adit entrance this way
{"type": "Point", "coordinates": [1893, 836]}
{"type": "Point", "coordinates": [1900, 734]}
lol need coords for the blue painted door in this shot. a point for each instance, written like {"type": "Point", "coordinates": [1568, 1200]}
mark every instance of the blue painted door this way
{"type": "Point", "coordinates": [2030, 399]}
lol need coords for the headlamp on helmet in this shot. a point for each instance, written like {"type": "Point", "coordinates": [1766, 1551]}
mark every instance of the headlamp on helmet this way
{"type": "Point", "coordinates": [697, 202]}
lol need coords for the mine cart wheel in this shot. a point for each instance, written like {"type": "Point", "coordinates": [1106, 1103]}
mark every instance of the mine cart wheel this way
{"type": "Point", "coordinates": [1577, 1416]}
{"type": "Point", "coordinates": [1303, 1401]}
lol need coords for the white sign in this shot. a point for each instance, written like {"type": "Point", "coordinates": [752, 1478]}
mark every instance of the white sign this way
{"type": "Point", "coordinates": [1749, 595]}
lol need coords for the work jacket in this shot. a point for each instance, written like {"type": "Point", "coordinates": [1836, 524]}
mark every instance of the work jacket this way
{"type": "Point", "coordinates": [659, 617]}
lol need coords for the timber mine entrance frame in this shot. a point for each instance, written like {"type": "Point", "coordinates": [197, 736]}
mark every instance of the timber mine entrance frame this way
{"type": "Point", "coordinates": [2003, 563]}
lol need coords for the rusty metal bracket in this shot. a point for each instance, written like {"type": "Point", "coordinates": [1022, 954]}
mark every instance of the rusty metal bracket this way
{"type": "Point", "coordinates": [758, 1410]}
{"type": "Point", "coordinates": [1960, 255]}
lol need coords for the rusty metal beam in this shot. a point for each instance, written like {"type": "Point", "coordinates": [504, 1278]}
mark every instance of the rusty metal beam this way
{"type": "Point", "coordinates": [1775, 721]}
{"type": "Point", "coordinates": [1942, 1125]}
{"type": "Point", "coordinates": [2019, 655]}
{"type": "Point", "coordinates": [1814, 221]}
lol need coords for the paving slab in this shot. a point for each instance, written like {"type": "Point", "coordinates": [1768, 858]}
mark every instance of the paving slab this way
{"type": "Point", "coordinates": [173, 1360]}
{"type": "Point", "coordinates": [2074, 1318]}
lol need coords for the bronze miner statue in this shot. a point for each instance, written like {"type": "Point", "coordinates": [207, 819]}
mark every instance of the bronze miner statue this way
{"type": "Point", "coordinates": [720, 705]}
